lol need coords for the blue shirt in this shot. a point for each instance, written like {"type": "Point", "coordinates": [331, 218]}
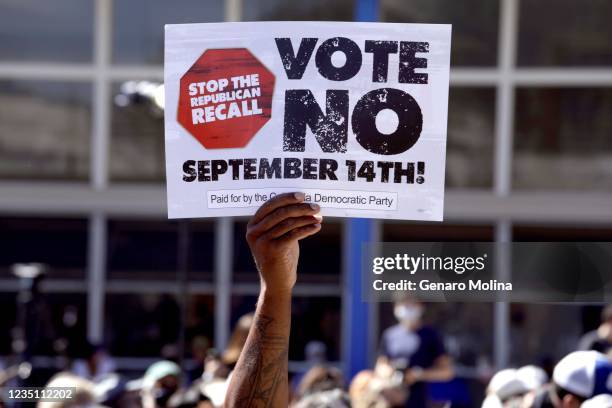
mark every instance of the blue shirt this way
{"type": "Point", "coordinates": [419, 348]}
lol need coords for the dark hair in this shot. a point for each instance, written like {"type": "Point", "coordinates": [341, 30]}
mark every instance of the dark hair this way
{"type": "Point", "coordinates": [320, 378]}
{"type": "Point", "coordinates": [562, 392]}
{"type": "Point", "coordinates": [606, 313]}
{"type": "Point", "coordinates": [542, 398]}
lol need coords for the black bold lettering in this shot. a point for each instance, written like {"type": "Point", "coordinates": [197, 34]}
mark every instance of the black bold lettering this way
{"type": "Point", "coordinates": [327, 169]}
{"type": "Point", "coordinates": [366, 171]}
{"type": "Point", "coordinates": [352, 167]}
{"type": "Point", "coordinates": [330, 130]}
{"type": "Point", "coordinates": [408, 129]}
{"type": "Point", "coordinates": [235, 163]}
{"type": "Point", "coordinates": [292, 168]}
{"type": "Point", "coordinates": [351, 66]}
{"type": "Point", "coordinates": [310, 169]}
{"type": "Point", "coordinates": [295, 65]}
{"type": "Point", "coordinates": [189, 170]}
{"type": "Point", "coordinates": [380, 51]}
{"type": "Point", "coordinates": [218, 167]}
{"type": "Point", "coordinates": [385, 166]}
{"type": "Point", "coordinates": [400, 172]}
{"type": "Point", "coordinates": [408, 62]}
{"type": "Point", "coordinates": [267, 170]}
{"type": "Point", "coordinates": [249, 169]}
{"type": "Point", "coordinates": [421, 172]}
{"type": "Point", "coordinates": [203, 170]}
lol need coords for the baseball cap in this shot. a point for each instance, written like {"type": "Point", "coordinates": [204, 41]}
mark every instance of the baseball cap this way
{"type": "Point", "coordinates": [160, 369]}
{"type": "Point", "coordinates": [532, 376]}
{"type": "Point", "coordinates": [584, 373]}
{"type": "Point", "coordinates": [492, 401]}
{"type": "Point", "coordinates": [600, 401]}
{"type": "Point", "coordinates": [506, 383]}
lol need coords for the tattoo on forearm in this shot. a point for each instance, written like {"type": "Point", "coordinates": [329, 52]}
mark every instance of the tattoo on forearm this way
{"type": "Point", "coordinates": [265, 373]}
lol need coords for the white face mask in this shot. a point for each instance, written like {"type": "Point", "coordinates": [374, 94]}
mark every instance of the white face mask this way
{"type": "Point", "coordinates": [407, 314]}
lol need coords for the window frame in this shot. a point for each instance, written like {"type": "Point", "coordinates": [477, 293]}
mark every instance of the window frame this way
{"type": "Point", "coordinates": [100, 199]}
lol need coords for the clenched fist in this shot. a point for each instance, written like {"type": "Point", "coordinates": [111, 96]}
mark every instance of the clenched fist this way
{"type": "Point", "coordinates": [273, 234]}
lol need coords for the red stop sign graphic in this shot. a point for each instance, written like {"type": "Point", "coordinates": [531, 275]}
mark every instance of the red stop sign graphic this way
{"type": "Point", "coordinates": [225, 98]}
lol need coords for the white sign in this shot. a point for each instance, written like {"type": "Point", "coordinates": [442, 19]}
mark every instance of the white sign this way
{"type": "Point", "coordinates": [352, 114]}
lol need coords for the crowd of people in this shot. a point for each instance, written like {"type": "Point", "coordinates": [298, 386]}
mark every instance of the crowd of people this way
{"type": "Point", "coordinates": [253, 370]}
{"type": "Point", "coordinates": [411, 357]}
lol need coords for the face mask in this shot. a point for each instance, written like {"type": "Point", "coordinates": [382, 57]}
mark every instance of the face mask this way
{"type": "Point", "coordinates": [407, 314]}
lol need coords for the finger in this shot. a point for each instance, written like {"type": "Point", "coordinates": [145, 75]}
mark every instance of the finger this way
{"type": "Point", "coordinates": [276, 202]}
{"type": "Point", "coordinates": [280, 214]}
{"type": "Point", "coordinates": [289, 224]}
{"type": "Point", "coordinates": [302, 232]}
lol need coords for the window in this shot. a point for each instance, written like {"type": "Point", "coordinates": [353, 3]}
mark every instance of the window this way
{"type": "Point", "coordinates": [150, 324]}
{"type": "Point", "coordinates": [60, 244]}
{"type": "Point", "coordinates": [562, 139]}
{"type": "Point", "coordinates": [202, 250]}
{"type": "Point", "coordinates": [138, 26]}
{"type": "Point", "coordinates": [427, 232]}
{"type": "Point", "coordinates": [531, 322]}
{"type": "Point", "coordinates": [137, 144]}
{"type": "Point", "coordinates": [58, 31]}
{"type": "Point", "coordinates": [61, 131]}
{"type": "Point", "coordinates": [139, 249]}
{"type": "Point", "coordinates": [60, 326]}
{"type": "Point", "coordinates": [572, 233]}
{"type": "Point", "coordinates": [45, 130]}
{"type": "Point", "coordinates": [314, 10]}
{"type": "Point", "coordinates": [318, 317]}
{"type": "Point", "coordinates": [474, 23]}
{"type": "Point", "coordinates": [327, 245]}
{"type": "Point", "coordinates": [568, 33]}
{"type": "Point", "coordinates": [469, 149]}
{"type": "Point", "coordinates": [141, 325]}
{"type": "Point", "coordinates": [8, 319]}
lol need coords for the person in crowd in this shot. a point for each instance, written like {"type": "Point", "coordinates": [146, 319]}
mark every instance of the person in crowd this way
{"type": "Point", "coordinates": [514, 387]}
{"type": "Point", "coordinates": [84, 392]}
{"type": "Point", "coordinates": [360, 385]}
{"type": "Point", "coordinates": [577, 377]}
{"type": "Point", "coordinates": [191, 398]}
{"type": "Point", "coordinates": [413, 350]}
{"type": "Point", "coordinates": [214, 380]}
{"type": "Point", "coordinates": [237, 339]}
{"type": "Point", "coordinates": [368, 390]}
{"type": "Point", "coordinates": [599, 339]}
{"type": "Point", "coordinates": [160, 382]}
{"type": "Point", "coordinates": [95, 363]}
{"type": "Point", "coordinates": [260, 377]}
{"type": "Point", "coordinates": [534, 378]}
{"type": "Point", "coordinates": [506, 389]}
{"type": "Point", "coordinates": [318, 379]}
{"type": "Point", "coordinates": [200, 347]}
{"type": "Point", "coordinates": [335, 398]}
{"type": "Point", "coordinates": [600, 401]}
{"type": "Point", "coordinates": [315, 354]}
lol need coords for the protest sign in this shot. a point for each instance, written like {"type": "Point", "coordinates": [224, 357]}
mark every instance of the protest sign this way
{"type": "Point", "coordinates": [352, 114]}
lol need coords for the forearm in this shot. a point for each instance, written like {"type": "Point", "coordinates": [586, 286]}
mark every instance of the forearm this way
{"type": "Point", "coordinates": [260, 376]}
{"type": "Point", "coordinates": [442, 370]}
{"type": "Point", "coordinates": [438, 374]}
